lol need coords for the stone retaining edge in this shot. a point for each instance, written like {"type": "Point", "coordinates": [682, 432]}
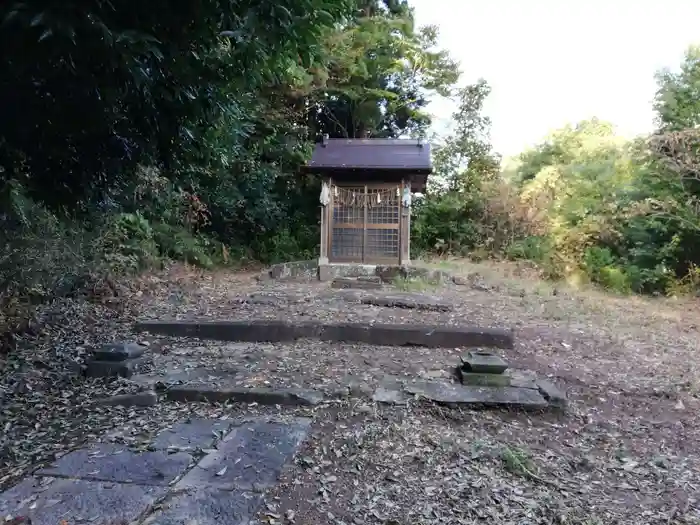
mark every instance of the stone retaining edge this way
{"type": "Point", "coordinates": [276, 331]}
{"type": "Point", "coordinates": [262, 396]}
{"type": "Point", "coordinates": [310, 270]}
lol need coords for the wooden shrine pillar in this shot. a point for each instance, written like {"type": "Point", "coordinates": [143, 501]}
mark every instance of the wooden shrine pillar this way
{"type": "Point", "coordinates": [326, 224]}
{"type": "Point", "coordinates": [405, 227]}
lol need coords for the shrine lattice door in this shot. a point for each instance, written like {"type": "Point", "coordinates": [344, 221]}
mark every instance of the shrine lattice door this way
{"type": "Point", "coordinates": [365, 224]}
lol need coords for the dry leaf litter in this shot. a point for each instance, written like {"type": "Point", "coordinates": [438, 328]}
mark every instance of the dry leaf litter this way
{"type": "Point", "coordinates": [625, 452]}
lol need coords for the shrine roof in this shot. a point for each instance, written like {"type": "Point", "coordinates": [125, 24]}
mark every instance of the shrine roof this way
{"type": "Point", "coordinates": [378, 155]}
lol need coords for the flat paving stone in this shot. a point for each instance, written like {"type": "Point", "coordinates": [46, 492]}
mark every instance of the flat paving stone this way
{"type": "Point", "coordinates": [48, 501]}
{"type": "Point", "coordinates": [163, 380]}
{"type": "Point", "coordinates": [193, 434]}
{"type": "Point", "coordinates": [350, 296]}
{"type": "Point", "coordinates": [251, 457]}
{"type": "Point", "coordinates": [408, 300]}
{"type": "Point", "coordinates": [476, 395]}
{"type": "Point", "coordinates": [208, 506]}
{"type": "Point", "coordinates": [551, 393]}
{"type": "Point", "coordinates": [391, 396]}
{"type": "Point", "coordinates": [113, 463]}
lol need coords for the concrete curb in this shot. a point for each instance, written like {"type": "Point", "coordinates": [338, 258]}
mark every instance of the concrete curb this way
{"type": "Point", "coordinates": [262, 396]}
{"type": "Point", "coordinates": [147, 398]}
{"type": "Point", "coordinates": [374, 334]}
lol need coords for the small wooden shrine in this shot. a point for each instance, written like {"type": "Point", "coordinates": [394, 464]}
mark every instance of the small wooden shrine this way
{"type": "Point", "coordinates": [366, 197]}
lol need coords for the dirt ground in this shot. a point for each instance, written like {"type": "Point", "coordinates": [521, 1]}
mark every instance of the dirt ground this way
{"type": "Point", "coordinates": [624, 452]}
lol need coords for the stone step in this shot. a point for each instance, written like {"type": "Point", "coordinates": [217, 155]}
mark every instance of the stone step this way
{"type": "Point", "coordinates": [372, 334]}
{"type": "Point", "coordinates": [483, 363]}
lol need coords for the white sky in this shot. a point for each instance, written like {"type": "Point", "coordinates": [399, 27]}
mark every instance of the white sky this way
{"type": "Point", "coordinates": [550, 62]}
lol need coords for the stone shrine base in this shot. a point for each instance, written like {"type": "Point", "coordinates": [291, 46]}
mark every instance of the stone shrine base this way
{"type": "Point", "coordinates": [310, 270]}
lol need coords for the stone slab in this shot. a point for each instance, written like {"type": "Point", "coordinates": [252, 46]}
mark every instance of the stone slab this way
{"type": "Point", "coordinates": [551, 393]}
{"type": "Point", "coordinates": [374, 334]}
{"type": "Point", "coordinates": [263, 331]}
{"type": "Point", "coordinates": [417, 335]}
{"type": "Point", "coordinates": [306, 270]}
{"type": "Point", "coordinates": [389, 274]}
{"type": "Point", "coordinates": [350, 296]}
{"type": "Point", "coordinates": [190, 435]}
{"type": "Point", "coordinates": [139, 399]}
{"type": "Point", "coordinates": [453, 393]}
{"type": "Point", "coordinates": [262, 301]}
{"type": "Point", "coordinates": [49, 501]}
{"type": "Point", "coordinates": [163, 380]}
{"type": "Point", "coordinates": [328, 272]}
{"type": "Point", "coordinates": [292, 270]}
{"type": "Point", "coordinates": [250, 458]}
{"type": "Point", "coordinates": [324, 273]}
{"type": "Point", "coordinates": [480, 362]}
{"type": "Point", "coordinates": [119, 352]}
{"type": "Point", "coordinates": [409, 301]}
{"type": "Point", "coordinates": [114, 368]}
{"type": "Point", "coordinates": [469, 378]}
{"type": "Point", "coordinates": [511, 377]}
{"type": "Point", "coordinates": [208, 506]}
{"type": "Point", "coordinates": [344, 283]}
{"type": "Point", "coordinates": [193, 392]}
{"type": "Point", "coordinates": [390, 396]}
{"type": "Point", "coordinates": [113, 463]}
{"type": "Point", "coordinates": [275, 298]}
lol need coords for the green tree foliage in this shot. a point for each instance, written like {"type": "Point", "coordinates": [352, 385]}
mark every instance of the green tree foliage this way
{"type": "Point", "coordinates": [677, 101]}
{"type": "Point", "coordinates": [623, 214]}
{"type": "Point", "coordinates": [380, 70]}
{"type": "Point", "coordinates": [136, 131]}
{"type": "Point", "coordinates": [577, 178]}
{"type": "Point", "coordinates": [584, 203]}
{"type": "Point", "coordinates": [456, 216]}
{"type": "Point", "coordinates": [97, 88]}
{"type": "Point", "coordinates": [465, 157]}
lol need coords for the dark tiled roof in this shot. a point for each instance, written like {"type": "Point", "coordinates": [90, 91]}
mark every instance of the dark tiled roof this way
{"type": "Point", "coordinates": [378, 154]}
